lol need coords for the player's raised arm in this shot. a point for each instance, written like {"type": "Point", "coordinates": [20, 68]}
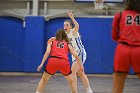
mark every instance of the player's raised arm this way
{"type": "Point", "coordinates": [76, 25]}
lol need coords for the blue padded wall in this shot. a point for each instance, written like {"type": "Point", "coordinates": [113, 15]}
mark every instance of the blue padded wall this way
{"type": "Point", "coordinates": [34, 42]}
{"type": "Point", "coordinates": [11, 44]}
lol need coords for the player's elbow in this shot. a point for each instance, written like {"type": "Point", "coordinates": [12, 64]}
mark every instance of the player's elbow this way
{"type": "Point", "coordinates": [77, 25]}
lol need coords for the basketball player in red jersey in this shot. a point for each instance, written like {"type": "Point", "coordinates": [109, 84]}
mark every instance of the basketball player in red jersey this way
{"type": "Point", "coordinates": [58, 61]}
{"type": "Point", "coordinates": [126, 31]}
{"type": "Point", "coordinates": [72, 32]}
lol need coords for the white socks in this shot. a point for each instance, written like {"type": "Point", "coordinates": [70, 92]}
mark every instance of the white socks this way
{"type": "Point", "coordinates": [88, 88]}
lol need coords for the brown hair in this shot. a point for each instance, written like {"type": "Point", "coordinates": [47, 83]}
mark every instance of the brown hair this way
{"type": "Point", "coordinates": [133, 5]}
{"type": "Point", "coordinates": [61, 35]}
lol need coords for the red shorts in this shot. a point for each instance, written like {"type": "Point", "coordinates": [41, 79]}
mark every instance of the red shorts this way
{"type": "Point", "coordinates": [58, 64]}
{"type": "Point", "coordinates": [125, 57]}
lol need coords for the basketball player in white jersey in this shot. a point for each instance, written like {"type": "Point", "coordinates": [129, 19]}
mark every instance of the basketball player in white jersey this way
{"type": "Point", "coordinates": [75, 40]}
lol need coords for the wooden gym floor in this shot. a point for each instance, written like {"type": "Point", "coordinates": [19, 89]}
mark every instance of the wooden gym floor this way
{"type": "Point", "coordinates": [58, 84]}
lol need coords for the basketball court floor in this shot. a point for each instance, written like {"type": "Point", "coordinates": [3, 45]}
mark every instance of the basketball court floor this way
{"type": "Point", "coordinates": [58, 84]}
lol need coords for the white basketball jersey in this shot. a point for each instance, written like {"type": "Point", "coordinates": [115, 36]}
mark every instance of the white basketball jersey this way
{"type": "Point", "coordinates": [75, 40]}
{"type": "Point", "coordinates": [76, 43]}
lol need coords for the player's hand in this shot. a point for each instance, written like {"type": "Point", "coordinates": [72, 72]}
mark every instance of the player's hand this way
{"type": "Point", "coordinates": [51, 39]}
{"type": "Point", "coordinates": [39, 67]}
{"type": "Point", "coordinates": [70, 14]}
{"type": "Point", "coordinates": [99, 1]}
{"type": "Point", "coordinates": [81, 68]}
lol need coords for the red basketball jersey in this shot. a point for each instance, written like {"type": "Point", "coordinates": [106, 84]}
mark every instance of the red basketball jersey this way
{"type": "Point", "coordinates": [126, 27]}
{"type": "Point", "coordinates": [59, 49]}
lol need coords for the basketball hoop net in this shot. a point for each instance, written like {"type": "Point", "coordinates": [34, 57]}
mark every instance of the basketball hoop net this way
{"type": "Point", "coordinates": [99, 4]}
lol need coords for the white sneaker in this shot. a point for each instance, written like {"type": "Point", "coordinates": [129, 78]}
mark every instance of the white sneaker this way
{"type": "Point", "coordinates": [89, 91]}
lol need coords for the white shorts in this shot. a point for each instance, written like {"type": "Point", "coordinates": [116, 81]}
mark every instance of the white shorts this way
{"type": "Point", "coordinates": [82, 55]}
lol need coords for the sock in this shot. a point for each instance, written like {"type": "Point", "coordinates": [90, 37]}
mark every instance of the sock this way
{"type": "Point", "coordinates": [88, 88]}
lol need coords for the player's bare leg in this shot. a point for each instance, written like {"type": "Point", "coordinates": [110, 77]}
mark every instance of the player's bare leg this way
{"type": "Point", "coordinates": [118, 82]}
{"type": "Point", "coordinates": [81, 74]}
{"type": "Point", "coordinates": [75, 67]}
{"type": "Point", "coordinates": [72, 83]}
{"type": "Point", "coordinates": [84, 78]}
{"type": "Point", "coordinates": [43, 81]}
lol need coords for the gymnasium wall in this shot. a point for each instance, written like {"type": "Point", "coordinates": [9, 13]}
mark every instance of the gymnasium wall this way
{"type": "Point", "coordinates": [11, 44]}
{"type": "Point", "coordinates": [21, 49]}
